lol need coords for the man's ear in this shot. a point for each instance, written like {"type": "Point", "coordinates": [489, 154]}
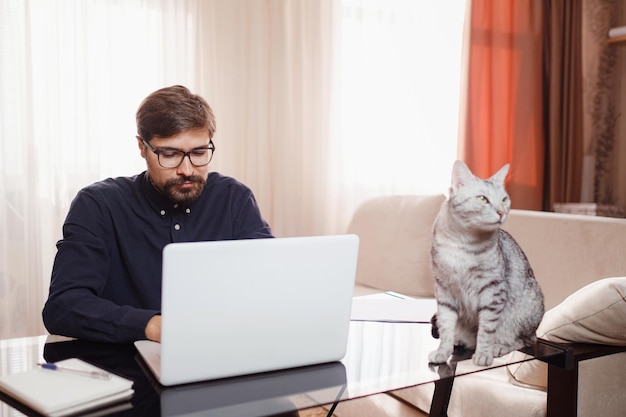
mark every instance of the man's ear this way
{"type": "Point", "coordinates": [142, 147]}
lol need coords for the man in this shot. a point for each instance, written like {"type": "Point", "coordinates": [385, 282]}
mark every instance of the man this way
{"type": "Point", "coordinates": [106, 278]}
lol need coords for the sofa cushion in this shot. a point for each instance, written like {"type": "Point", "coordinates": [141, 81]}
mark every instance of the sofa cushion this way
{"type": "Point", "coordinates": [395, 235]}
{"type": "Point", "coordinates": [569, 251]}
{"type": "Point", "coordinates": [594, 314]}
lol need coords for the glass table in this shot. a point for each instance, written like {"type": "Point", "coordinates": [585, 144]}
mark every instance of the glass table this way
{"type": "Point", "coordinates": [380, 357]}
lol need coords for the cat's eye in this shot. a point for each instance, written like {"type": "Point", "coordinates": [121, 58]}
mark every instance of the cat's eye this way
{"type": "Point", "coordinates": [483, 199]}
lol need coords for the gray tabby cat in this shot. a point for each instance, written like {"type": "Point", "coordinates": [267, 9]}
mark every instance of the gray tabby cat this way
{"type": "Point", "coordinates": [487, 297]}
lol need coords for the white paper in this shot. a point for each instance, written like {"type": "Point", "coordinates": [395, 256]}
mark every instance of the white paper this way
{"type": "Point", "coordinates": [393, 307]}
{"type": "Point", "coordinates": [617, 32]}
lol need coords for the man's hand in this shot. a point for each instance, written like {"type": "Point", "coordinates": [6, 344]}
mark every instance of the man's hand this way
{"type": "Point", "coordinates": [153, 329]}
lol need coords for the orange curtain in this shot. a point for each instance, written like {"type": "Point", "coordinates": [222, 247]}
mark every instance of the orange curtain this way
{"type": "Point", "coordinates": [502, 112]}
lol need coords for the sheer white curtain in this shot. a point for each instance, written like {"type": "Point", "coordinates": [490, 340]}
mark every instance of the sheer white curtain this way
{"type": "Point", "coordinates": [319, 104]}
{"type": "Point", "coordinates": [72, 73]}
{"type": "Point", "coordinates": [271, 68]}
{"type": "Point", "coordinates": [322, 104]}
{"type": "Point", "coordinates": [401, 74]}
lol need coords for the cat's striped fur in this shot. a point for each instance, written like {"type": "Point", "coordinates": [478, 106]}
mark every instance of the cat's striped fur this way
{"type": "Point", "coordinates": [487, 297]}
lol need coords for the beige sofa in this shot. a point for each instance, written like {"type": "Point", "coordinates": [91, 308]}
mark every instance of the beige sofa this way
{"type": "Point", "coordinates": [567, 252]}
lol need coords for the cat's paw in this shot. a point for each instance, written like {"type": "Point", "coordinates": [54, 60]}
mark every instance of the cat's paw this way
{"type": "Point", "coordinates": [438, 356]}
{"type": "Point", "coordinates": [482, 358]}
{"type": "Point", "coordinates": [501, 350]}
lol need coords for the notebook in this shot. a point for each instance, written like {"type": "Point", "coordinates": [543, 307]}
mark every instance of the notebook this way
{"type": "Point", "coordinates": [240, 307]}
{"type": "Point", "coordinates": [65, 392]}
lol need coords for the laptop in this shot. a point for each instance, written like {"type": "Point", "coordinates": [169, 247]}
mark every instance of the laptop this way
{"type": "Point", "coordinates": [239, 307]}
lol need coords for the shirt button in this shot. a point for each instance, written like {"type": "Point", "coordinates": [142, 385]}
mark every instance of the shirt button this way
{"type": "Point", "coordinates": [177, 226]}
{"type": "Point", "coordinates": [188, 211]}
{"type": "Point", "coordinates": [162, 212]}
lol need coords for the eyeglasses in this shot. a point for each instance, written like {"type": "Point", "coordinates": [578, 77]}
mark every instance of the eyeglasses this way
{"type": "Point", "coordinates": [173, 158]}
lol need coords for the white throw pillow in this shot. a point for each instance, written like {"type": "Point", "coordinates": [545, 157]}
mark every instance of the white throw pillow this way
{"type": "Point", "coordinates": [594, 314]}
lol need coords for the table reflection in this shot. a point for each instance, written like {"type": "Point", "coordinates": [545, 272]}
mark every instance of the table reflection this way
{"type": "Point", "coordinates": [279, 393]}
{"type": "Point", "coordinates": [384, 356]}
{"type": "Point", "coordinates": [380, 357]}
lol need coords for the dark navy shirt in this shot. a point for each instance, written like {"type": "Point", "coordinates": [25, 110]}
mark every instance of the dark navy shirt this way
{"type": "Point", "coordinates": [106, 278]}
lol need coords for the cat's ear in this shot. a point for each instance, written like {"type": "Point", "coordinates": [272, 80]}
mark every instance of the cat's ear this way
{"type": "Point", "coordinates": [461, 175]}
{"type": "Point", "coordinates": [500, 176]}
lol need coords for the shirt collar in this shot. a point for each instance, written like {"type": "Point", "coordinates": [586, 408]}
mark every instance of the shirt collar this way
{"type": "Point", "coordinates": [158, 201]}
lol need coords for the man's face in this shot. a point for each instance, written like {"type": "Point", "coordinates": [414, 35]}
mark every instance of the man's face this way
{"type": "Point", "coordinates": [184, 183]}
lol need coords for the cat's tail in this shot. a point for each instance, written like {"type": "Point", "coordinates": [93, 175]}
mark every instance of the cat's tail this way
{"type": "Point", "coordinates": [434, 330]}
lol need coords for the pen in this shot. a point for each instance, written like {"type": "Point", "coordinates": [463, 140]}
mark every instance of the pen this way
{"type": "Point", "coordinates": [395, 294]}
{"type": "Point", "coordinates": [84, 372]}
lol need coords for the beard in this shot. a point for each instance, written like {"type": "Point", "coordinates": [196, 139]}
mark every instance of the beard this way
{"type": "Point", "coordinates": [178, 195]}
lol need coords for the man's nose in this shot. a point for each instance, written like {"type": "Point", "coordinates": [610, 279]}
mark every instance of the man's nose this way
{"type": "Point", "coordinates": [185, 168]}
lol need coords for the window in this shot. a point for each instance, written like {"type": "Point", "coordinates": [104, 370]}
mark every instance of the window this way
{"type": "Point", "coordinates": [400, 77]}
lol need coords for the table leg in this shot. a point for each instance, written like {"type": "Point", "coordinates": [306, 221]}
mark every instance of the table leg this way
{"type": "Point", "coordinates": [443, 390]}
{"type": "Point", "coordinates": [332, 408]}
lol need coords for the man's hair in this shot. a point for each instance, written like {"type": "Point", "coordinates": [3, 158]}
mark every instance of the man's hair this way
{"type": "Point", "coordinates": [172, 110]}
